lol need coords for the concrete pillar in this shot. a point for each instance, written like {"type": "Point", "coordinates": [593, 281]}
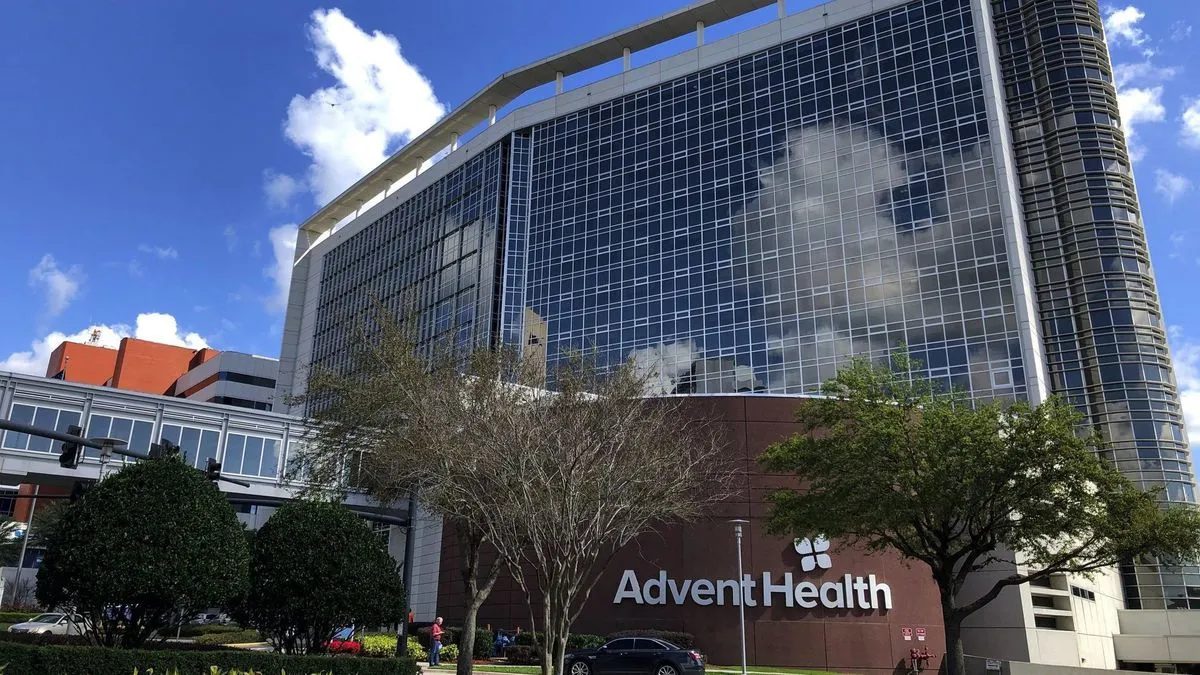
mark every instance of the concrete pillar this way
{"type": "Point", "coordinates": [625, 60]}
{"type": "Point", "coordinates": [453, 141]}
{"type": "Point", "coordinates": [558, 82]}
{"type": "Point", "coordinates": [781, 5]}
{"type": "Point", "coordinates": [699, 33]}
{"type": "Point", "coordinates": [491, 115]}
{"type": "Point", "coordinates": [420, 161]}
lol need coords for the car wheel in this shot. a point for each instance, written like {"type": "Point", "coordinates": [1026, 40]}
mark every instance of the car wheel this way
{"type": "Point", "coordinates": [580, 668]}
{"type": "Point", "coordinates": [666, 669]}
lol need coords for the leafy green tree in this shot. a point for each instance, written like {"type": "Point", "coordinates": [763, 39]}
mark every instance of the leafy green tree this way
{"type": "Point", "coordinates": [315, 567]}
{"type": "Point", "coordinates": [156, 539]}
{"type": "Point", "coordinates": [890, 461]}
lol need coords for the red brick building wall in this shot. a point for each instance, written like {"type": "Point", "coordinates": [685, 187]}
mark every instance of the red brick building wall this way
{"type": "Point", "coordinates": [87, 364]}
{"type": "Point", "coordinates": [842, 640]}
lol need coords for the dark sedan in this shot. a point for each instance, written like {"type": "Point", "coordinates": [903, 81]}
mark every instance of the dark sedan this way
{"type": "Point", "coordinates": [635, 656]}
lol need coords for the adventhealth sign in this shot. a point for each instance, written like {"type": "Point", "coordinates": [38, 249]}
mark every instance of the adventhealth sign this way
{"type": "Point", "coordinates": [850, 592]}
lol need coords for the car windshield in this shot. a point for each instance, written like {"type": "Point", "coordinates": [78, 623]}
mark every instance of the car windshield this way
{"type": "Point", "coordinates": [46, 618]}
{"type": "Point", "coordinates": [667, 645]}
{"type": "Point", "coordinates": [343, 634]}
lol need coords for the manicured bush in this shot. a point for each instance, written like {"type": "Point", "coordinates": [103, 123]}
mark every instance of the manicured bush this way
{"type": "Point", "coordinates": [484, 640]}
{"type": "Point", "coordinates": [521, 655]}
{"type": "Point", "coordinates": [194, 629]}
{"type": "Point", "coordinates": [16, 617]}
{"type": "Point", "coordinates": [156, 537]}
{"type": "Point", "coordinates": [585, 641]}
{"type": "Point", "coordinates": [378, 644]}
{"type": "Point", "coordinates": [309, 570]}
{"type": "Point", "coordinates": [449, 653]}
{"type": "Point", "coordinates": [237, 637]}
{"type": "Point", "coordinates": [525, 638]}
{"type": "Point", "coordinates": [100, 661]}
{"type": "Point", "coordinates": [684, 640]}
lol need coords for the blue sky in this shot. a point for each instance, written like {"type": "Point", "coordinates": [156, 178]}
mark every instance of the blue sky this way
{"type": "Point", "coordinates": [156, 156]}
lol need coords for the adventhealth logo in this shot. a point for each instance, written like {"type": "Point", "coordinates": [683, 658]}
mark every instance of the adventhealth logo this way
{"type": "Point", "coordinates": [813, 553]}
{"type": "Point", "coordinates": [850, 592]}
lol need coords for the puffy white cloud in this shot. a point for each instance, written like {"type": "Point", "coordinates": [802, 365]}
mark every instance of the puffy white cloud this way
{"type": "Point", "coordinates": [1189, 129]}
{"type": "Point", "coordinates": [1121, 25]}
{"type": "Point", "coordinates": [1181, 30]}
{"type": "Point", "coordinates": [379, 101]}
{"type": "Point", "coordinates": [58, 286]}
{"type": "Point", "coordinates": [1171, 186]}
{"type": "Point", "coordinates": [1185, 356]}
{"type": "Point", "coordinates": [280, 188]}
{"type": "Point", "coordinates": [152, 326]}
{"type": "Point", "coordinates": [283, 247]}
{"type": "Point", "coordinates": [1143, 72]}
{"type": "Point", "coordinates": [160, 252]}
{"type": "Point", "coordinates": [1138, 105]}
{"type": "Point", "coordinates": [662, 366]}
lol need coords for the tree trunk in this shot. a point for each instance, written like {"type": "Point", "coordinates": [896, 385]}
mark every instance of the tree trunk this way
{"type": "Point", "coordinates": [952, 624]}
{"type": "Point", "coordinates": [466, 642]}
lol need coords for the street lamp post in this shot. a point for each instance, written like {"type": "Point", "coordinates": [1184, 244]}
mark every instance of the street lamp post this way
{"type": "Point", "coordinates": [737, 532]}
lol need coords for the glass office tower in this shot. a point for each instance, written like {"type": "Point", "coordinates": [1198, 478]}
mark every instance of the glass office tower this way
{"type": "Point", "coordinates": [945, 174]}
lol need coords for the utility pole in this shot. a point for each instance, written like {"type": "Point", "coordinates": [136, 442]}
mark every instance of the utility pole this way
{"type": "Point", "coordinates": [25, 543]}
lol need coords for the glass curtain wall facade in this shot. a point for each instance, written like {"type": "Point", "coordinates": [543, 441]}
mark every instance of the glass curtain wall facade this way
{"type": "Point", "coordinates": [434, 256]}
{"type": "Point", "coordinates": [749, 226]}
{"type": "Point", "coordinates": [1105, 343]}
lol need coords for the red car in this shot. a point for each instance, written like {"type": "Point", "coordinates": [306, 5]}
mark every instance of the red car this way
{"type": "Point", "coordinates": [343, 642]}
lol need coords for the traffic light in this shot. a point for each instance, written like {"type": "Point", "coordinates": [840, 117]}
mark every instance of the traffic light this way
{"type": "Point", "coordinates": [80, 488]}
{"type": "Point", "coordinates": [68, 458]}
{"type": "Point", "coordinates": [213, 470]}
{"type": "Point", "coordinates": [163, 448]}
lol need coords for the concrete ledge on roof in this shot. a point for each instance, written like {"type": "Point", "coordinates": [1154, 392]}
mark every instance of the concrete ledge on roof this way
{"type": "Point", "coordinates": [804, 23]}
{"type": "Point", "coordinates": [716, 53]}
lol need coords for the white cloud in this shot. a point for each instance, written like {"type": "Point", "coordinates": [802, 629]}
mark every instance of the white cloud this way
{"type": "Point", "coordinates": [152, 326]}
{"type": "Point", "coordinates": [1139, 105]}
{"type": "Point", "coordinates": [283, 245]}
{"type": "Point", "coordinates": [134, 268]}
{"type": "Point", "coordinates": [1142, 72]}
{"type": "Point", "coordinates": [160, 252]}
{"type": "Point", "coordinates": [58, 286]}
{"type": "Point", "coordinates": [231, 238]}
{"type": "Point", "coordinates": [1190, 124]}
{"type": "Point", "coordinates": [280, 188]}
{"type": "Point", "coordinates": [1120, 25]}
{"type": "Point", "coordinates": [1185, 356]}
{"type": "Point", "coordinates": [1172, 186]}
{"type": "Point", "coordinates": [379, 100]}
{"type": "Point", "coordinates": [1181, 30]}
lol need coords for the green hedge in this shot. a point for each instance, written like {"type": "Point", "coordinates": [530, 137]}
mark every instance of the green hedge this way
{"type": "Point", "coordinates": [197, 629]}
{"type": "Point", "coordinates": [237, 637]}
{"type": "Point", "coordinates": [17, 617]}
{"type": "Point", "coordinates": [53, 660]}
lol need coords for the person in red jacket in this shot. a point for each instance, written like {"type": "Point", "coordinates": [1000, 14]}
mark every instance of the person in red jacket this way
{"type": "Point", "coordinates": [435, 632]}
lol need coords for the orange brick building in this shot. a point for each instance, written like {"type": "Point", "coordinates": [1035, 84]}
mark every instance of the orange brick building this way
{"type": "Point", "coordinates": [137, 365]}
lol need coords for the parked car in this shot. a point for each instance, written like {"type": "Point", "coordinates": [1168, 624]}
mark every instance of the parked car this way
{"type": "Point", "coordinates": [343, 642]}
{"type": "Point", "coordinates": [54, 623]}
{"type": "Point", "coordinates": [635, 656]}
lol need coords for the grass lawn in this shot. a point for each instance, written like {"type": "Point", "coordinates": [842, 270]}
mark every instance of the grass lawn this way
{"type": "Point", "coordinates": [496, 668]}
{"type": "Point", "coordinates": [535, 670]}
{"type": "Point", "coordinates": [765, 669]}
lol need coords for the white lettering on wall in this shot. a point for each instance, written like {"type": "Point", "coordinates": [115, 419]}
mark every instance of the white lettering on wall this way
{"type": "Point", "coordinates": [848, 593]}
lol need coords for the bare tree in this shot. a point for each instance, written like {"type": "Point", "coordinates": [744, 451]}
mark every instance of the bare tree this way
{"type": "Point", "coordinates": [403, 420]}
{"type": "Point", "coordinates": [554, 481]}
{"type": "Point", "coordinates": [583, 471]}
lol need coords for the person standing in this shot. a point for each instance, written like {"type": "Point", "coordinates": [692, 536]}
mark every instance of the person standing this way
{"type": "Point", "coordinates": [435, 651]}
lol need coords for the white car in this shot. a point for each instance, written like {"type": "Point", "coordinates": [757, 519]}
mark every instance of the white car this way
{"type": "Point", "coordinates": [54, 623]}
